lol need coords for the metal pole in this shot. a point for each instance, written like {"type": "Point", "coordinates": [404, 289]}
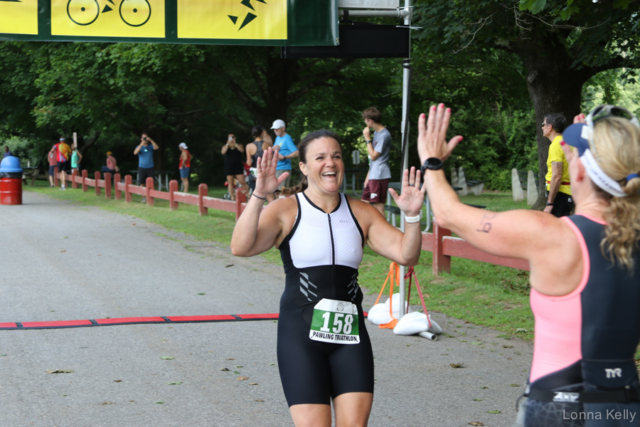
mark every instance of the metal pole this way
{"type": "Point", "coordinates": [406, 99]}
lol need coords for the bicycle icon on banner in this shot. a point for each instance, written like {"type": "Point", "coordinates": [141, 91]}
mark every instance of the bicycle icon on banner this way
{"type": "Point", "coordinates": [134, 13]}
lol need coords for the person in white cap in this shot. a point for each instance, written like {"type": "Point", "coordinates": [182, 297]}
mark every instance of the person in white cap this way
{"type": "Point", "coordinates": [185, 166]}
{"type": "Point", "coordinates": [287, 151]}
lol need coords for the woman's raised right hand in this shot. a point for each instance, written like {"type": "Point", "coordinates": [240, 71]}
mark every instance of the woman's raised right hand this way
{"type": "Point", "coordinates": [266, 180]}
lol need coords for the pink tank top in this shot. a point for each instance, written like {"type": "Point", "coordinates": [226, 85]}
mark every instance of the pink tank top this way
{"type": "Point", "coordinates": [558, 322]}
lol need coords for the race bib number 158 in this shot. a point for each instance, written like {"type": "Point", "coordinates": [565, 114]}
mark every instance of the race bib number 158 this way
{"type": "Point", "coordinates": [335, 322]}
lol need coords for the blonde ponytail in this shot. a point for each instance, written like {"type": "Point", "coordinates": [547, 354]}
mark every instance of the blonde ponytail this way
{"type": "Point", "coordinates": [617, 144]}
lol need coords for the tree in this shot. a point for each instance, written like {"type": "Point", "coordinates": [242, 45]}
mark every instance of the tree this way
{"type": "Point", "coordinates": [110, 93]}
{"type": "Point", "coordinates": [560, 44]}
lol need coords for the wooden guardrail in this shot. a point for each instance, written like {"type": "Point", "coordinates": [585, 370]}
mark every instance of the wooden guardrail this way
{"type": "Point", "coordinates": [440, 242]}
{"type": "Point", "coordinates": [115, 185]}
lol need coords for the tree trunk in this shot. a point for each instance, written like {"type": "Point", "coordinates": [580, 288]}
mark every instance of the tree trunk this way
{"type": "Point", "coordinates": [86, 145]}
{"type": "Point", "coordinates": [281, 76]}
{"type": "Point", "coordinates": [554, 87]}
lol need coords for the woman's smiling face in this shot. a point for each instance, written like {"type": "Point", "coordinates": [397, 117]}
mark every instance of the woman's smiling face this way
{"type": "Point", "coordinates": [324, 167]}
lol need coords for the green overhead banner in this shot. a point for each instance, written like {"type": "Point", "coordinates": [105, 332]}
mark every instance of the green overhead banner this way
{"type": "Point", "coordinates": [228, 22]}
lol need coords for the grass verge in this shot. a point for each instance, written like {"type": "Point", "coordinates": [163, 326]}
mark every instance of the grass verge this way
{"type": "Point", "coordinates": [480, 293]}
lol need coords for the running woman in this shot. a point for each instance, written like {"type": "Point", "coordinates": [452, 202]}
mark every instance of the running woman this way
{"type": "Point", "coordinates": [585, 280]}
{"type": "Point", "coordinates": [324, 352]}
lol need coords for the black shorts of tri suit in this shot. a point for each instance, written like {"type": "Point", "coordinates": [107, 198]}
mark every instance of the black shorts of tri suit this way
{"type": "Point", "coordinates": [562, 205]}
{"type": "Point", "coordinates": [316, 372]}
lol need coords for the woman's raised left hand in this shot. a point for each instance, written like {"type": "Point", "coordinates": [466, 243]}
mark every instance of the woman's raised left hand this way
{"type": "Point", "coordinates": [412, 197]}
{"type": "Point", "coordinates": [432, 134]}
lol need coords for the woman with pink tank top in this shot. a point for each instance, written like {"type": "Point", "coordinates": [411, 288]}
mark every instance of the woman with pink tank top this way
{"type": "Point", "coordinates": [585, 268]}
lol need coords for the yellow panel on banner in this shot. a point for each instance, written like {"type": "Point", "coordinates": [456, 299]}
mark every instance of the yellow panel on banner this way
{"type": "Point", "coordinates": [108, 18]}
{"type": "Point", "coordinates": [232, 19]}
{"type": "Point", "coordinates": [19, 16]}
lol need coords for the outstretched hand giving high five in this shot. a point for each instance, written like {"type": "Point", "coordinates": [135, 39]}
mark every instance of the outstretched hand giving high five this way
{"type": "Point", "coordinates": [412, 197]}
{"type": "Point", "coordinates": [432, 134]}
{"type": "Point", "coordinates": [266, 180]}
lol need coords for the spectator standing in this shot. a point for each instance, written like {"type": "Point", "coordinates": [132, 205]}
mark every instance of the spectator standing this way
{"type": "Point", "coordinates": [266, 137]}
{"type": "Point", "coordinates": [379, 149]}
{"type": "Point", "coordinates": [144, 151]}
{"type": "Point", "coordinates": [7, 153]}
{"type": "Point", "coordinates": [53, 162]}
{"type": "Point", "coordinates": [184, 166]}
{"type": "Point", "coordinates": [287, 151]}
{"type": "Point", "coordinates": [233, 167]}
{"type": "Point", "coordinates": [559, 200]}
{"type": "Point", "coordinates": [112, 165]}
{"type": "Point", "coordinates": [63, 153]}
{"type": "Point", "coordinates": [76, 158]}
{"type": "Point", "coordinates": [255, 150]}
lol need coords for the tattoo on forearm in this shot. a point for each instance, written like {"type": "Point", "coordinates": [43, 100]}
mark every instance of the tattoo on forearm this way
{"type": "Point", "coordinates": [486, 227]}
{"type": "Point", "coordinates": [485, 224]}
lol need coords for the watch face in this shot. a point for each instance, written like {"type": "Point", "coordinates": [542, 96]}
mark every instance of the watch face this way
{"type": "Point", "coordinates": [433, 163]}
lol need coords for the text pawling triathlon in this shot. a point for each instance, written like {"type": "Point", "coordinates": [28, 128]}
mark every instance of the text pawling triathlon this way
{"type": "Point", "coordinates": [333, 337]}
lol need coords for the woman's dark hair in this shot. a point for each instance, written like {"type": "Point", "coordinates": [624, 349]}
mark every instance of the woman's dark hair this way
{"type": "Point", "coordinates": [257, 131]}
{"type": "Point", "coordinates": [302, 149]}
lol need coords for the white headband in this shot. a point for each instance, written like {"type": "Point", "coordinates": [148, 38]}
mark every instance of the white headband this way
{"type": "Point", "coordinates": [598, 176]}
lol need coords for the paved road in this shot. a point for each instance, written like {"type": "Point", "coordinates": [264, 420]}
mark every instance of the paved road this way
{"type": "Point", "coordinates": [60, 261]}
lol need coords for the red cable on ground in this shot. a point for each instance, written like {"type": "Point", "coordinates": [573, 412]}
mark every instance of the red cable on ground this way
{"type": "Point", "coordinates": [61, 324]}
{"type": "Point", "coordinates": [58, 324]}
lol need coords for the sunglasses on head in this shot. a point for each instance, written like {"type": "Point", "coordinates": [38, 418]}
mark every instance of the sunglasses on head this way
{"type": "Point", "coordinates": [604, 111]}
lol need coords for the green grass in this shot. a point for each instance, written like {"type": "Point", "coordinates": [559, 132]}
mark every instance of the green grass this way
{"type": "Point", "coordinates": [495, 201]}
{"type": "Point", "coordinates": [480, 293]}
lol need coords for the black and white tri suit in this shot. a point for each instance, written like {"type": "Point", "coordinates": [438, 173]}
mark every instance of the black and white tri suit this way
{"type": "Point", "coordinates": [321, 256]}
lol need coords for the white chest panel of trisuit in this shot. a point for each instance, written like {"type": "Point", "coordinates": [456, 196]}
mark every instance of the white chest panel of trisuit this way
{"type": "Point", "coordinates": [315, 242]}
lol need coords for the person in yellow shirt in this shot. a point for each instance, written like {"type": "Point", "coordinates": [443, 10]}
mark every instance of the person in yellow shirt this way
{"type": "Point", "coordinates": [559, 200]}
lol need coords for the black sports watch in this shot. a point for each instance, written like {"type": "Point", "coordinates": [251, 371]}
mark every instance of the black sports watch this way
{"type": "Point", "coordinates": [432, 163]}
{"type": "Point", "coordinates": [549, 204]}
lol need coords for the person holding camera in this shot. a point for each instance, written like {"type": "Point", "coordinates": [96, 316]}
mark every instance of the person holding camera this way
{"type": "Point", "coordinates": [233, 167]}
{"type": "Point", "coordinates": [144, 151]}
